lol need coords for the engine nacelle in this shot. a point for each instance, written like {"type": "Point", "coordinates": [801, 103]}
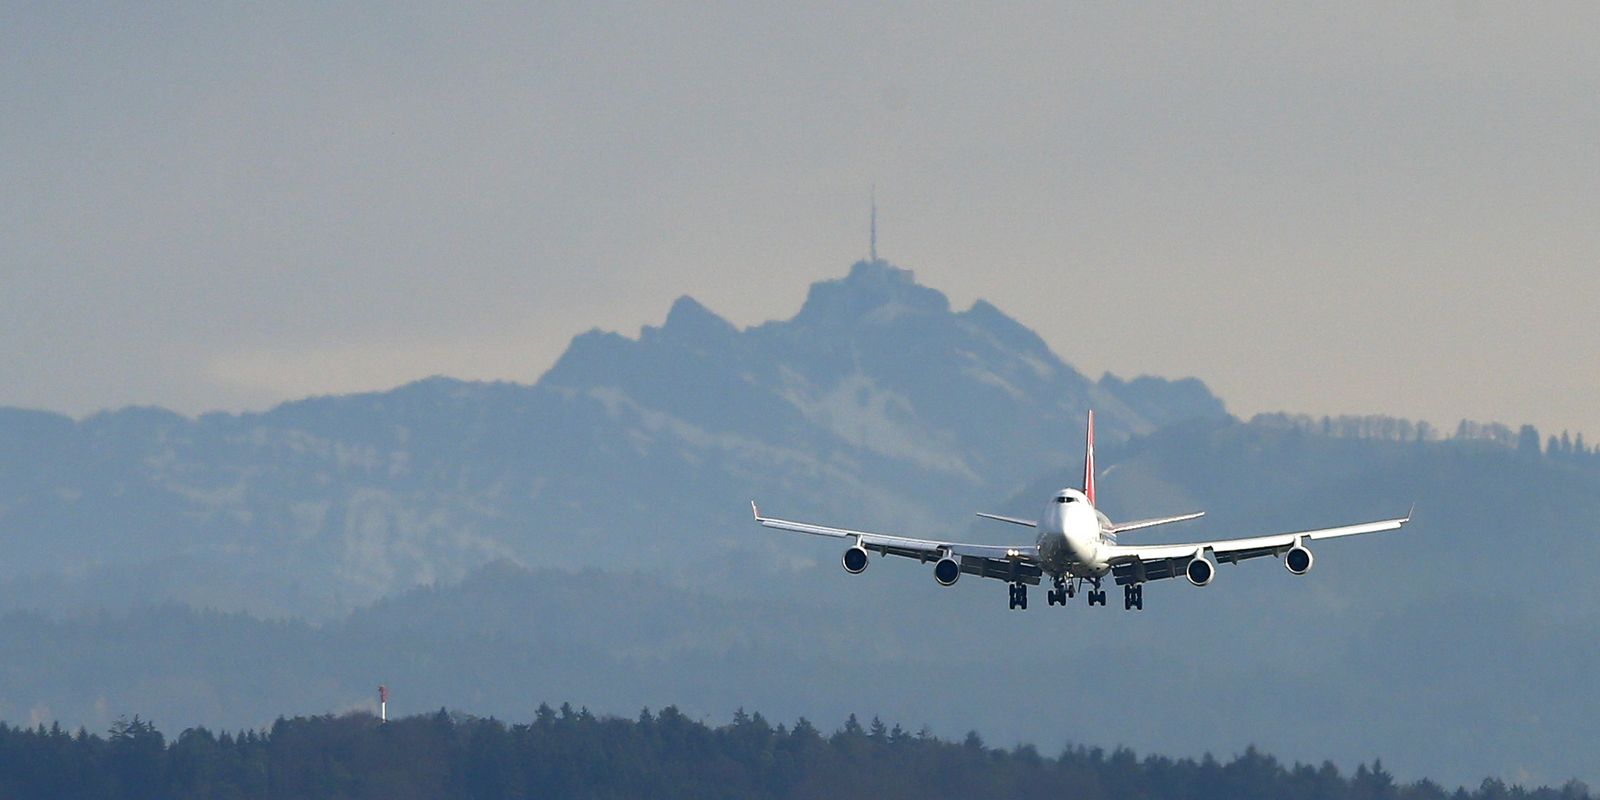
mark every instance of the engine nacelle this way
{"type": "Point", "coordinates": [947, 571]}
{"type": "Point", "coordinates": [1200, 571]}
{"type": "Point", "coordinates": [855, 560]}
{"type": "Point", "coordinates": [1298, 560]}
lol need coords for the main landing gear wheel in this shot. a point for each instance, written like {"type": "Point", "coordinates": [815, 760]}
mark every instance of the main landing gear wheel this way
{"type": "Point", "coordinates": [1058, 596]}
{"type": "Point", "coordinates": [1019, 596]}
{"type": "Point", "coordinates": [1132, 597]}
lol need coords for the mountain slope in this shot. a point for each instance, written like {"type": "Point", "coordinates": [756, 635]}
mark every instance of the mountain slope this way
{"type": "Point", "coordinates": [1427, 648]}
{"type": "Point", "coordinates": [876, 405]}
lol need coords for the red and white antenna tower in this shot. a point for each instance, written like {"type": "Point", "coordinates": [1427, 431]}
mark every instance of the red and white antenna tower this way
{"type": "Point", "coordinates": [383, 702]}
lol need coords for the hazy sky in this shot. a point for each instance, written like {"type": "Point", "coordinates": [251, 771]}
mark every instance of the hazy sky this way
{"type": "Point", "coordinates": [1393, 208]}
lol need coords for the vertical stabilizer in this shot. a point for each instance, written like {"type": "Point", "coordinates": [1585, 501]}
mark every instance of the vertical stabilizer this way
{"type": "Point", "coordinates": [1088, 460]}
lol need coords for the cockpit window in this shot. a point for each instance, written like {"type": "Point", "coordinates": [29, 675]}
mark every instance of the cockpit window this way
{"type": "Point", "coordinates": [1065, 499]}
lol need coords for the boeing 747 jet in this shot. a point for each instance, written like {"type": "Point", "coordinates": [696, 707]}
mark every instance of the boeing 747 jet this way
{"type": "Point", "coordinates": [1077, 546]}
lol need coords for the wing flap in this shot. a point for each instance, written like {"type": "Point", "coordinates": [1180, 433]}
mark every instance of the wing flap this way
{"type": "Point", "coordinates": [1137, 571]}
{"type": "Point", "coordinates": [1005, 570]}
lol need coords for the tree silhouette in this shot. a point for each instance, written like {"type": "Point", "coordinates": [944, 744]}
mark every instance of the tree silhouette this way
{"type": "Point", "coordinates": [665, 755]}
{"type": "Point", "coordinates": [1528, 441]}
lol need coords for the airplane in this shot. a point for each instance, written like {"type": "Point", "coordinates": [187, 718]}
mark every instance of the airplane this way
{"type": "Point", "coordinates": [1077, 546]}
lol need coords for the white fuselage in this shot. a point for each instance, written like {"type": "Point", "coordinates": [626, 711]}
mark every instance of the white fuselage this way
{"type": "Point", "coordinates": [1071, 532]}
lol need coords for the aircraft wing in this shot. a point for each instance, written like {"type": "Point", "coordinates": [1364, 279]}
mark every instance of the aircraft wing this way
{"type": "Point", "coordinates": [1014, 562]}
{"type": "Point", "coordinates": [1131, 563]}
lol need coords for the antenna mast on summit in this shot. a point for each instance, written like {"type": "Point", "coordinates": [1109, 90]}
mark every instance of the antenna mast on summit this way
{"type": "Point", "coordinates": [872, 251]}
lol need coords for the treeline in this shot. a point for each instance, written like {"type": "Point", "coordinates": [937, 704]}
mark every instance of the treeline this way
{"type": "Point", "coordinates": [573, 753]}
{"type": "Point", "coordinates": [1400, 429]}
{"type": "Point", "coordinates": [1368, 426]}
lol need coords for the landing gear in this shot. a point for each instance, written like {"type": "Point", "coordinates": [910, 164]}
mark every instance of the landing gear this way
{"type": "Point", "coordinates": [1097, 596]}
{"type": "Point", "coordinates": [1019, 596]}
{"type": "Point", "coordinates": [1067, 588]}
{"type": "Point", "coordinates": [1058, 596]}
{"type": "Point", "coordinates": [1132, 597]}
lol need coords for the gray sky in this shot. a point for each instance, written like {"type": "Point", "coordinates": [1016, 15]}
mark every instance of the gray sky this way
{"type": "Point", "coordinates": [1389, 209]}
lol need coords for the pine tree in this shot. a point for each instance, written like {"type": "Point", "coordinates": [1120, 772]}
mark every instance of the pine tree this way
{"type": "Point", "coordinates": [1528, 441]}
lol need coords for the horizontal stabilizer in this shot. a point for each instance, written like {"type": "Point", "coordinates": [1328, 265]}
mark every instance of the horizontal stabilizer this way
{"type": "Point", "coordinates": [1013, 520]}
{"type": "Point", "coordinates": [1151, 523]}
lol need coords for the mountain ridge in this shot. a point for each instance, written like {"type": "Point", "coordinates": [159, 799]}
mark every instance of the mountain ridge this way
{"type": "Point", "coordinates": [876, 400]}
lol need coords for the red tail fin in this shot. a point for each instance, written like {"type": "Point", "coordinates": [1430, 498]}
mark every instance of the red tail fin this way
{"type": "Point", "coordinates": [1088, 461]}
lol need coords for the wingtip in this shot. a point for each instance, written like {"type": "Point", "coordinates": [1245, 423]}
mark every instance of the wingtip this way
{"type": "Point", "coordinates": [755, 512]}
{"type": "Point", "coordinates": [1412, 511]}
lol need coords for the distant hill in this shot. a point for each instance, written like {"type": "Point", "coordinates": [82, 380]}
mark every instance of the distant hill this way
{"type": "Point", "coordinates": [1431, 649]}
{"type": "Point", "coordinates": [877, 402]}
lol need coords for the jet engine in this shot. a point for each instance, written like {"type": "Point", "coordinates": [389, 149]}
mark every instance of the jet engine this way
{"type": "Point", "coordinates": [855, 560]}
{"type": "Point", "coordinates": [1298, 559]}
{"type": "Point", "coordinates": [1200, 570]}
{"type": "Point", "coordinates": [947, 571]}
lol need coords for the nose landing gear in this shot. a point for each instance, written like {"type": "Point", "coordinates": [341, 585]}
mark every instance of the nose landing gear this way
{"type": "Point", "coordinates": [1063, 591]}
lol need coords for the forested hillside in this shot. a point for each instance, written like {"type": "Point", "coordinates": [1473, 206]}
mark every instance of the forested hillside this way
{"type": "Point", "coordinates": [575, 754]}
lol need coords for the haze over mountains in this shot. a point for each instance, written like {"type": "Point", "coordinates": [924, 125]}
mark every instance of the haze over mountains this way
{"type": "Point", "coordinates": [586, 538]}
{"type": "Point", "coordinates": [876, 400]}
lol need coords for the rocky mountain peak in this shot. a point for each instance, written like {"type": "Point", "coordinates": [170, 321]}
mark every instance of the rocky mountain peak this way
{"type": "Point", "coordinates": [689, 319]}
{"type": "Point", "coordinates": [872, 290]}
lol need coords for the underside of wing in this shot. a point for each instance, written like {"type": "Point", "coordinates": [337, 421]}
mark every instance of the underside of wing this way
{"type": "Point", "coordinates": [1137, 563]}
{"type": "Point", "coordinates": [1007, 562]}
